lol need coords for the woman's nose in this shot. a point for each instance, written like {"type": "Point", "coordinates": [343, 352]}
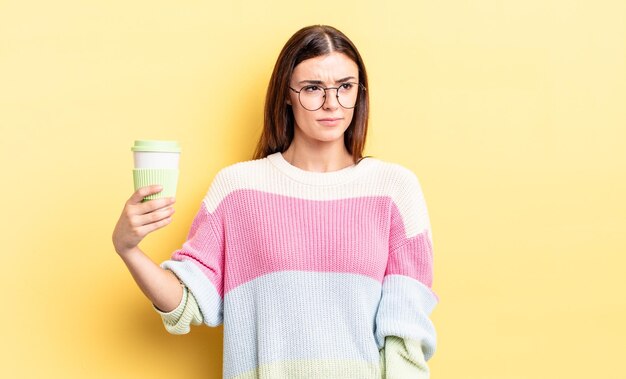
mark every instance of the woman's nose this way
{"type": "Point", "coordinates": [330, 100]}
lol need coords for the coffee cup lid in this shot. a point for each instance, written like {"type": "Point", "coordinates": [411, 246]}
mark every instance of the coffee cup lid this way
{"type": "Point", "coordinates": [156, 145]}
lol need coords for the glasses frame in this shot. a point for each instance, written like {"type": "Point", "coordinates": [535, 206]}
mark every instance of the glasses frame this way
{"type": "Point", "coordinates": [360, 86]}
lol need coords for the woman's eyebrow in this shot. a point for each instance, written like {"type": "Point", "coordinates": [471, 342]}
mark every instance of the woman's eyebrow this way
{"type": "Point", "coordinates": [346, 79]}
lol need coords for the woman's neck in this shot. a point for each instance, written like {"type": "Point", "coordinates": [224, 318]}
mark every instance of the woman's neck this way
{"type": "Point", "coordinates": [319, 158]}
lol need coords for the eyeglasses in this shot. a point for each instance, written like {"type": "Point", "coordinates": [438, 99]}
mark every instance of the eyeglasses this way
{"type": "Point", "coordinates": [313, 97]}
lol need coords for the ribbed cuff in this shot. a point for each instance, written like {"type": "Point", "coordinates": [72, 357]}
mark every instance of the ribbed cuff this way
{"type": "Point", "coordinates": [172, 317]}
{"type": "Point", "coordinates": [403, 358]}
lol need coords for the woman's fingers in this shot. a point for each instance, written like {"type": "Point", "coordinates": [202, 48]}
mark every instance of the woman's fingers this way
{"type": "Point", "coordinates": [149, 228]}
{"type": "Point", "coordinates": [140, 218]}
{"type": "Point", "coordinates": [135, 206]}
{"type": "Point", "coordinates": [138, 221]}
{"type": "Point", "coordinates": [153, 205]}
{"type": "Point", "coordinates": [142, 192]}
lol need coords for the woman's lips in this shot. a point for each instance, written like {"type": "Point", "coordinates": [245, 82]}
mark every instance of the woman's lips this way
{"type": "Point", "coordinates": [329, 121]}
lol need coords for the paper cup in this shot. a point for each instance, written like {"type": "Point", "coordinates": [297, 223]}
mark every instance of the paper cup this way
{"type": "Point", "coordinates": [156, 162]}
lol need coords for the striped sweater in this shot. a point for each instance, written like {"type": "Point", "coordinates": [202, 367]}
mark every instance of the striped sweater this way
{"type": "Point", "coordinates": [313, 275]}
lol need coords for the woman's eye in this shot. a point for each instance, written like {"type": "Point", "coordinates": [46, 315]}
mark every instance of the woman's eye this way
{"type": "Point", "coordinates": [311, 88]}
{"type": "Point", "coordinates": [346, 85]}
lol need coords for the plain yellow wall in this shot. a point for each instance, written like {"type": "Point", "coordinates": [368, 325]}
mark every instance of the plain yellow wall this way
{"type": "Point", "coordinates": [512, 113]}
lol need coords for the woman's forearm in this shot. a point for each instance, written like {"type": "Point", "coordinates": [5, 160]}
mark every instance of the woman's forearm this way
{"type": "Point", "coordinates": [160, 286]}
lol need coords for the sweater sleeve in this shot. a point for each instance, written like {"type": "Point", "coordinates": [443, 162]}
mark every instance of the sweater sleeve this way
{"type": "Point", "coordinates": [199, 263]}
{"type": "Point", "coordinates": [401, 358]}
{"type": "Point", "coordinates": [403, 325]}
{"type": "Point", "coordinates": [179, 320]}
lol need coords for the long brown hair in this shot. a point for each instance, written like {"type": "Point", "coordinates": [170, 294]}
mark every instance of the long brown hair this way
{"type": "Point", "coordinates": [278, 124]}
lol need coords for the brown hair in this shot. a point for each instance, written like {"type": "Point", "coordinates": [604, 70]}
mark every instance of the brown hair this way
{"type": "Point", "coordinates": [278, 124]}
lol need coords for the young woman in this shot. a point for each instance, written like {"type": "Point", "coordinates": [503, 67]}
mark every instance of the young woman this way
{"type": "Point", "coordinates": [317, 260]}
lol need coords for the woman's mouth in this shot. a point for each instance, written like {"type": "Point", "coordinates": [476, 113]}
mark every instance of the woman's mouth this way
{"type": "Point", "coordinates": [329, 121]}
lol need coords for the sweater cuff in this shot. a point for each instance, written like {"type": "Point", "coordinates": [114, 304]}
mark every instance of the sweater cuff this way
{"type": "Point", "coordinates": [172, 317]}
{"type": "Point", "coordinates": [179, 320]}
{"type": "Point", "coordinates": [403, 358]}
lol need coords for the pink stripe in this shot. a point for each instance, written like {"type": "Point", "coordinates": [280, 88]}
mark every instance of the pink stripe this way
{"type": "Point", "coordinates": [267, 233]}
{"type": "Point", "coordinates": [203, 247]}
{"type": "Point", "coordinates": [414, 258]}
{"type": "Point", "coordinates": [282, 233]}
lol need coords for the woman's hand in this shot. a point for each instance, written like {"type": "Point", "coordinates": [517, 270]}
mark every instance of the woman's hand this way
{"type": "Point", "coordinates": [139, 219]}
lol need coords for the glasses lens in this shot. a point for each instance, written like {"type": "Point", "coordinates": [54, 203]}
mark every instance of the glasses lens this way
{"type": "Point", "coordinates": [347, 94]}
{"type": "Point", "coordinates": [312, 97]}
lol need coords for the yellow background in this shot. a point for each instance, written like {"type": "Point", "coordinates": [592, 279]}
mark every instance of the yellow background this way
{"type": "Point", "coordinates": [512, 113]}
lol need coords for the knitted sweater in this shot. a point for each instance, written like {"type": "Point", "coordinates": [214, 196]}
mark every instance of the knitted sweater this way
{"type": "Point", "coordinates": [313, 275]}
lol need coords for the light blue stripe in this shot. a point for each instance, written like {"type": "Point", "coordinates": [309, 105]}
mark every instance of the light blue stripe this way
{"type": "Point", "coordinates": [208, 299]}
{"type": "Point", "coordinates": [404, 311]}
{"type": "Point", "coordinates": [294, 315]}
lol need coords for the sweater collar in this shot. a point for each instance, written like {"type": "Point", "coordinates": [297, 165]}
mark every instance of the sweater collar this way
{"type": "Point", "coordinates": [329, 178]}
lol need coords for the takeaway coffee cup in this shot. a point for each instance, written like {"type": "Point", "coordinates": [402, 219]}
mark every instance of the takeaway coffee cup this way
{"type": "Point", "coordinates": [156, 162]}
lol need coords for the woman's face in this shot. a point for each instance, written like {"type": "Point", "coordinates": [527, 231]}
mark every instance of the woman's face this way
{"type": "Point", "coordinates": [330, 121]}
